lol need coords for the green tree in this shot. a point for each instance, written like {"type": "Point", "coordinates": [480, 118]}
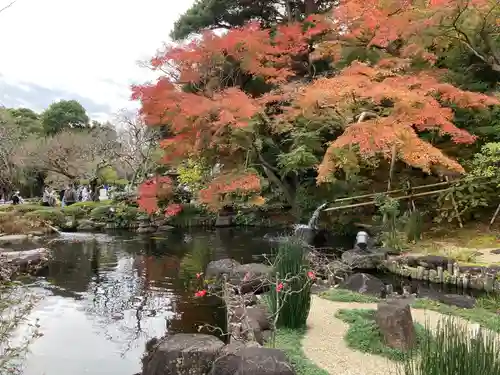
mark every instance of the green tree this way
{"type": "Point", "coordinates": [28, 120]}
{"type": "Point", "coordinates": [226, 14]}
{"type": "Point", "coordinates": [63, 115]}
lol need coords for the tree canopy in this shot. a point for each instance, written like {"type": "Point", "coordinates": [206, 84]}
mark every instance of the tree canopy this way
{"type": "Point", "coordinates": [227, 14]}
{"type": "Point", "coordinates": [63, 115]}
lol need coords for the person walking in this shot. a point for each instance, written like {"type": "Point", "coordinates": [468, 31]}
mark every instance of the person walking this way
{"type": "Point", "coordinates": [46, 197]}
{"type": "Point", "coordinates": [70, 196]}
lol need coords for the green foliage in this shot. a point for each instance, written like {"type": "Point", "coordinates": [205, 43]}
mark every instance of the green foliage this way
{"type": "Point", "coordinates": [51, 215]}
{"type": "Point", "coordinates": [342, 295]}
{"type": "Point", "coordinates": [27, 120]}
{"type": "Point", "coordinates": [192, 215]}
{"type": "Point", "coordinates": [77, 212]}
{"type": "Point", "coordinates": [191, 174]}
{"type": "Point", "coordinates": [389, 220]}
{"type": "Point", "coordinates": [486, 318]}
{"type": "Point", "coordinates": [365, 335]}
{"type": "Point", "coordinates": [101, 213]}
{"type": "Point", "coordinates": [291, 304]}
{"type": "Point", "coordinates": [290, 341]}
{"type": "Point", "coordinates": [107, 175]}
{"type": "Point", "coordinates": [63, 115]}
{"type": "Point", "coordinates": [123, 215]}
{"type": "Point", "coordinates": [453, 350]}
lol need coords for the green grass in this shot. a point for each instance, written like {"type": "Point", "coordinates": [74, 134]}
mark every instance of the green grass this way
{"type": "Point", "coordinates": [289, 340]}
{"type": "Point", "coordinates": [482, 316]}
{"type": "Point", "coordinates": [485, 312]}
{"type": "Point", "coordinates": [365, 336]}
{"type": "Point", "coordinates": [343, 295]}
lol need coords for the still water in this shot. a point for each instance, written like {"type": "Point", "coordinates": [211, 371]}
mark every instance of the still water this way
{"type": "Point", "coordinates": [105, 296]}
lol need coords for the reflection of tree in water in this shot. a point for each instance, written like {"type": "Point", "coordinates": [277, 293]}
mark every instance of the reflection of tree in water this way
{"type": "Point", "coordinates": [131, 293]}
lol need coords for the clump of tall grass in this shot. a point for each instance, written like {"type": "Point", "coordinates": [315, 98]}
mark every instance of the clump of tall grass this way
{"type": "Point", "coordinates": [454, 350]}
{"type": "Point", "coordinates": [290, 296]}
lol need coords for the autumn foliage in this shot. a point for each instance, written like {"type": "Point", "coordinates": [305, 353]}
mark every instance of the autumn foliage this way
{"type": "Point", "coordinates": [383, 105]}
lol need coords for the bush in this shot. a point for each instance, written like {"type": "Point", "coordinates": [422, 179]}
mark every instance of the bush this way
{"type": "Point", "coordinates": [24, 208]}
{"type": "Point", "coordinates": [100, 213]}
{"type": "Point", "coordinates": [290, 300]}
{"type": "Point", "coordinates": [77, 212]}
{"type": "Point", "coordinates": [52, 215]}
{"type": "Point", "coordinates": [11, 223]}
{"type": "Point", "coordinates": [453, 350]}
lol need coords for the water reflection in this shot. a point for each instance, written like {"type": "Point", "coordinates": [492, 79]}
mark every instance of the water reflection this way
{"type": "Point", "coordinates": [105, 297]}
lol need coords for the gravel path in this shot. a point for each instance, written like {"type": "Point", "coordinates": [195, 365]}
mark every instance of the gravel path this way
{"type": "Point", "coordinates": [324, 342]}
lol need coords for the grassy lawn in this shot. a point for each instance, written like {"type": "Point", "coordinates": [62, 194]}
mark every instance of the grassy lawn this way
{"type": "Point", "coordinates": [365, 336]}
{"type": "Point", "coordinates": [463, 245]}
{"type": "Point", "coordinates": [290, 342]}
{"type": "Point", "coordinates": [485, 313]}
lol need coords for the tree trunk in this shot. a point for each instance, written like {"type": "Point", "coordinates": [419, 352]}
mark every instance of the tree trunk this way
{"type": "Point", "coordinates": [310, 7]}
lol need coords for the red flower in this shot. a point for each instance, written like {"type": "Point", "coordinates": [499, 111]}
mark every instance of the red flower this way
{"type": "Point", "coordinates": [279, 287]}
{"type": "Point", "coordinates": [200, 293]}
{"type": "Point", "coordinates": [199, 275]}
{"type": "Point", "coordinates": [311, 275]}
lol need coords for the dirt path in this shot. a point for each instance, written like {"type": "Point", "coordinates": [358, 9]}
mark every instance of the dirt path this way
{"type": "Point", "coordinates": [324, 342]}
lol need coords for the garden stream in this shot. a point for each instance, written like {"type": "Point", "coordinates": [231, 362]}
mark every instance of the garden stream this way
{"type": "Point", "coordinates": [104, 296]}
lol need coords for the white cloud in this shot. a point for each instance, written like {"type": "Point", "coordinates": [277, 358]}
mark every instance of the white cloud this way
{"type": "Point", "coordinates": [86, 47]}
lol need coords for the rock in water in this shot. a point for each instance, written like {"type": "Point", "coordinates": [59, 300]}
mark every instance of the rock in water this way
{"type": "Point", "coordinates": [362, 260]}
{"type": "Point", "coordinates": [396, 324]}
{"type": "Point", "coordinates": [364, 283]}
{"type": "Point", "coordinates": [183, 354]}
{"type": "Point", "coordinates": [253, 361]}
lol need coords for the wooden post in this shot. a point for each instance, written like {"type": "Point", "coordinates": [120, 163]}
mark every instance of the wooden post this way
{"type": "Point", "coordinates": [455, 206]}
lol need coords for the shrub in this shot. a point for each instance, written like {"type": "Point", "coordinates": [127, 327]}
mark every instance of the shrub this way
{"type": "Point", "coordinates": [52, 215]}
{"type": "Point", "coordinates": [77, 212]}
{"type": "Point", "coordinates": [290, 300]}
{"type": "Point", "coordinates": [100, 213]}
{"type": "Point", "coordinates": [24, 208]}
{"type": "Point", "coordinates": [454, 350]}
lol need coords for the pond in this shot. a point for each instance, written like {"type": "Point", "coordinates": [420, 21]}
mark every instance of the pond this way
{"type": "Point", "coordinates": [105, 296]}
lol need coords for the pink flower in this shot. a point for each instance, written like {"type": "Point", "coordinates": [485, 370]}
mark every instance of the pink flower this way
{"type": "Point", "coordinates": [199, 275]}
{"type": "Point", "coordinates": [311, 275]}
{"type": "Point", "coordinates": [279, 287]}
{"type": "Point", "coordinates": [200, 293]}
{"type": "Point", "coordinates": [246, 277]}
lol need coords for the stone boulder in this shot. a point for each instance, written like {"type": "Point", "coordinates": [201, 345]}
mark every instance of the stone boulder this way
{"type": "Point", "coordinates": [85, 225]}
{"type": "Point", "coordinates": [142, 230]}
{"type": "Point", "coordinates": [183, 354]}
{"type": "Point", "coordinates": [216, 269]}
{"type": "Point", "coordinates": [253, 361]}
{"type": "Point", "coordinates": [396, 324]}
{"type": "Point", "coordinates": [164, 228]}
{"type": "Point", "coordinates": [252, 277]}
{"type": "Point", "coordinates": [495, 252]}
{"type": "Point", "coordinates": [363, 260]}
{"type": "Point", "coordinates": [429, 261]}
{"type": "Point", "coordinates": [462, 301]}
{"type": "Point", "coordinates": [254, 321]}
{"type": "Point", "coordinates": [364, 284]}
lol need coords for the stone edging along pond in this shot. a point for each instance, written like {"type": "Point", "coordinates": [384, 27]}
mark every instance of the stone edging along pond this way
{"type": "Point", "coordinates": [442, 270]}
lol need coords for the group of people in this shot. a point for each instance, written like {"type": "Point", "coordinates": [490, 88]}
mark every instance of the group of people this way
{"type": "Point", "coordinates": [67, 196]}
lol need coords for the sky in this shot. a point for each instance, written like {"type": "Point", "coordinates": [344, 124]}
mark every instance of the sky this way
{"type": "Point", "coordinates": [80, 49]}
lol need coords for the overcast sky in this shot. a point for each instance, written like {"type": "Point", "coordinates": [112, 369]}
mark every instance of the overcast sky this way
{"type": "Point", "coordinates": [80, 49]}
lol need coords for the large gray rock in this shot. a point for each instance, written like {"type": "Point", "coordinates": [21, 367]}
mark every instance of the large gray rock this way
{"type": "Point", "coordinates": [396, 324]}
{"type": "Point", "coordinates": [183, 354]}
{"type": "Point", "coordinates": [252, 277]}
{"type": "Point", "coordinates": [364, 283]}
{"type": "Point", "coordinates": [462, 301]}
{"type": "Point", "coordinates": [363, 260]}
{"type": "Point", "coordinates": [254, 361]}
{"type": "Point", "coordinates": [218, 268]}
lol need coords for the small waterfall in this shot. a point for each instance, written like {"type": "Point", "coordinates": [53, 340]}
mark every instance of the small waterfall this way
{"type": "Point", "coordinates": [314, 218]}
{"type": "Point", "coordinates": [306, 232]}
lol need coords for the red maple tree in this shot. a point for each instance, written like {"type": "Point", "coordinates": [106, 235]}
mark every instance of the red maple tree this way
{"type": "Point", "coordinates": [383, 106]}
